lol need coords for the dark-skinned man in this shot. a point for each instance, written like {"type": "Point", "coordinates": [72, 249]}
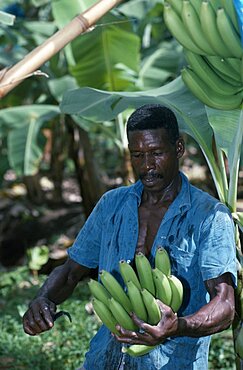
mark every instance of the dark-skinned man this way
{"type": "Point", "coordinates": [160, 209]}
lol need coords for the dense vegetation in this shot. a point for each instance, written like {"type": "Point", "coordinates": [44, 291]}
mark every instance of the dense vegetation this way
{"type": "Point", "coordinates": [44, 146]}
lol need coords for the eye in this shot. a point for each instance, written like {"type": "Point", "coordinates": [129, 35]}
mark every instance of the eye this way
{"type": "Point", "coordinates": [158, 153]}
{"type": "Point", "coordinates": [136, 155]}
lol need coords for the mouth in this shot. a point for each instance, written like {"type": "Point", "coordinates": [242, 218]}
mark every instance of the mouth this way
{"type": "Point", "coordinates": [150, 177]}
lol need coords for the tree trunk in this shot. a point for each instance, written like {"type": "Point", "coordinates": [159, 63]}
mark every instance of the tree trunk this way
{"type": "Point", "coordinates": [33, 187]}
{"type": "Point", "coordinates": [127, 173]}
{"type": "Point", "coordinates": [81, 153]}
{"type": "Point", "coordinates": [58, 155]}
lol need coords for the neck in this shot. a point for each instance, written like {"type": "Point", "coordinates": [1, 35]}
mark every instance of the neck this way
{"type": "Point", "coordinates": [167, 194]}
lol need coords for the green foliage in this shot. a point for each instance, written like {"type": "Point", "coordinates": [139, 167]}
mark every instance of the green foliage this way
{"type": "Point", "coordinates": [221, 354]}
{"type": "Point", "coordinates": [37, 257]}
{"type": "Point", "coordinates": [6, 18]}
{"type": "Point", "coordinates": [61, 348]}
{"type": "Point", "coordinates": [25, 140]}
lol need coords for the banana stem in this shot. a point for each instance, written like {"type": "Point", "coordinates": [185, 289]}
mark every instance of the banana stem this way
{"type": "Point", "coordinates": [234, 171]}
{"type": "Point", "coordinates": [222, 169]}
{"type": "Point", "coordinates": [217, 177]}
{"type": "Point", "coordinates": [121, 127]}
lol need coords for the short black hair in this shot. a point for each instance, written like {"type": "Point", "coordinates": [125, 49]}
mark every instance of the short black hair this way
{"type": "Point", "coordinates": [154, 116]}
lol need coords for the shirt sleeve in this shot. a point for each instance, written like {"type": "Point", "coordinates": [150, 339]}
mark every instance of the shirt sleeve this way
{"type": "Point", "coordinates": [86, 248]}
{"type": "Point", "coordinates": [217, 245]}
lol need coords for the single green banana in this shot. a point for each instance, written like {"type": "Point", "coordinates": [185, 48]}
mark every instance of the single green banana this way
{"type": "Point", "coordinates": [162, 261]}
{"type": "Point", "coordinates": [99, 291]}
{"type": "Point", "coordinates": [115, 289]}
{"type": "Point", "coordinates": [128, 273]}
{"type": "Point", "coordinates": [209, 26]}
{"type": "Point", "coordinates": [207, 95]}
{"type": "Point", "coordinates": [228, 34]}
{"type": "Point", "coordinates": [239, 342]}
{"type": "Point", "coordinates": [105, 315]}
{"type": "Point", "coordinates": [176, 5]}
{"type": "Point", "coordinates": [121, 315]}
{"type": "Point", "coordinates": [200, 66]}
{"type": "Point", "coordinates": [196, 5]}
{"type": "Point", "coordinates": [136, 301]}
{"type": "Point", "coordinates": [192, 24]}
{"type": "Point", "coordinates": [178, 30]}
{"type": "Point", "coordinates": [215, 4]}
{"type": "Point", "coordinates": [162, 287]}
{"type": "Point", "coordinates": [137, 350]}
{"type": "Point", "coordinates": [152, 307]}
{"type": "Point", "coordinates": [235, 63]}
{"type": "Point", "coordinates": [229, 79]}
{"type": "Point", "coordinates": [241, 70]}
{"type": "Point", "coordinates": [144, 271]}
{"type": "Point", "coordinates": [230, 10]}
{"type": "Point", "coordinates": [177, 292]}
{"type": "Point", "coordinates": [222, 66]}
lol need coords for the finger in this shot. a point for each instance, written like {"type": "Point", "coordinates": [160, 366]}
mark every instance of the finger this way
{"type": "Point", "coordinates": [164, 309]}
{"type": "Point", "coordinates": [48, 316]}
{"type": "Point", "coordinates": [40, 320]}
{"type": "Point", "coordinates": [28, 329]}
{"type": "Point", "coordinates": [31, 327]}
{"type": "Point", "coordinates": [142, 325]}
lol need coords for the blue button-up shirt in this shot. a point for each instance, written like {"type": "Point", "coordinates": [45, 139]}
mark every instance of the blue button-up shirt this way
{"type": "Point", "coordinates": [198, 233]}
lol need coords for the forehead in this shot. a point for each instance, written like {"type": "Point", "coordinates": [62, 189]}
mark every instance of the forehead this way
{"type": "Point", "coordinates": [148, 138]}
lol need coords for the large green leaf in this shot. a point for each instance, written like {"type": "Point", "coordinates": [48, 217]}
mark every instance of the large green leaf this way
{"type": "Point", "coordinates": [228, 131]}
{"type": "Point", "coordinates": [160, 64]}
{"type": "Point", "coordinates": [39, 30]}
{"type": "Point", "coordinates": [63, 12]}
{"type": "Point", "coordinates": [137, 8]}
{"type": "Point", "coordinates": [101, 60]}
{"type": "Point", "coordinates": [58, 86]}
{"type": "Point", "coordinates": [22, 126]}
{"type": "Point", "coordinates": [191, 113]}
{"type": "Point", "coordinates": [225, 134]}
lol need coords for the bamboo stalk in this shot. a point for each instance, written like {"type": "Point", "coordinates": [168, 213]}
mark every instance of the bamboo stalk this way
{"type": "Point", "coordinates": [37, 57]}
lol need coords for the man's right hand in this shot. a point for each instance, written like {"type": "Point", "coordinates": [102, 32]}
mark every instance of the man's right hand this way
{"type": "Point", "coordinates": [39, 317]}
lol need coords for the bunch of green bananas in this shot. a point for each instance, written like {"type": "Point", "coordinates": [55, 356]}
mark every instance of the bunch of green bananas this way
{"type": "Point", "coordinates": [209, 32]}
{"type": "Point", "coordinates": [113, 304]}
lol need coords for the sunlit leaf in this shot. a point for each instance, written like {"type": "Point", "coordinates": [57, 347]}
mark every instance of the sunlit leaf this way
{"type": "Point", "coordinates": [99, 55]}
{"type": "Point", "coordinates": [6, 18]}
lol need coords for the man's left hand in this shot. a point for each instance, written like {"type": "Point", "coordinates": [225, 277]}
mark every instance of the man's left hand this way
{"type": "Point", "coordinates": [150, 335]}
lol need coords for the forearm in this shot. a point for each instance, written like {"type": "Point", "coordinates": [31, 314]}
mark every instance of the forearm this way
{"type": "Point", "coordinates": [57, 287]}
{"type": "Point", "coordinates": [61, 282]}
{"type": "Point", "coordinates": [214, 317]}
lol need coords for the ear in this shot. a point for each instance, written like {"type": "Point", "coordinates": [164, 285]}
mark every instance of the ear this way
{"type": "Point", "coordinates": [180, 147]}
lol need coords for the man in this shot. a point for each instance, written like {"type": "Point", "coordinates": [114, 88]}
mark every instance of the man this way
{"type": "Point", "coordinates": [161, 208]}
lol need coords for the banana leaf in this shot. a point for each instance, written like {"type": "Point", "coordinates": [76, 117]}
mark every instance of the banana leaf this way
{"type": "Point", "coordinates": [102, 61]}
{"type": "Point", "coordinates": [63, 12]}
{"type": "Point", "coordinates": [228, 132]}
{"type": "Point", "coordinates": [25, 140]}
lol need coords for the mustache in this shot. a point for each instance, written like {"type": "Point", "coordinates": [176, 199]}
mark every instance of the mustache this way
{"type": "Point", "coordinates": [151, 174]}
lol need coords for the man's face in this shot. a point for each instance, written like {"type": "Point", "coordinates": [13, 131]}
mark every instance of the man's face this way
{"type": "Point", "coordinates": [154, 158]}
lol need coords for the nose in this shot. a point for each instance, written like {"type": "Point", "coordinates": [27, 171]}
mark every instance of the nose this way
{"type": "Point", "coordinates": [148, 161]}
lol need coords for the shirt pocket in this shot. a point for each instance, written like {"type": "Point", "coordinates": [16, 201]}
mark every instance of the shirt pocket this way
{"type": "Point", "coordinates": [184, 265]}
